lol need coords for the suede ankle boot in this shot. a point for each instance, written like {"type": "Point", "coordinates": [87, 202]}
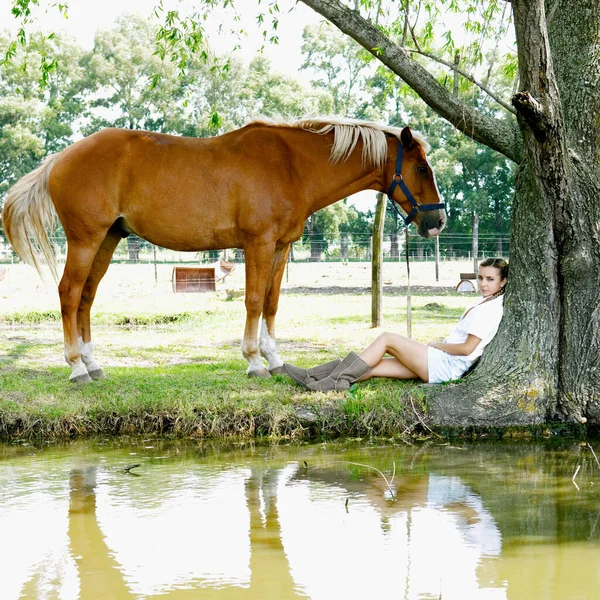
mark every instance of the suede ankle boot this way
{"type": "Point", "coordinates": [306, 376]}
{"type": "Point", "coordinates": [351, 369]}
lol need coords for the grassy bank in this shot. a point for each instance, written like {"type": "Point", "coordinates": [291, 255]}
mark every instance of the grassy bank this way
{"type": "Point", "coordinates": [175, 366]}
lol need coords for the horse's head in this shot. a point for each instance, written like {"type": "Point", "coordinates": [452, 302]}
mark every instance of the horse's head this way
{"type": "Point", "coordinates": [413, 185]}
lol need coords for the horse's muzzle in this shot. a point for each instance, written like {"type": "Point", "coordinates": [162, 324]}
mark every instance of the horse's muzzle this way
{"type": "Point", "coordinates": [432, 223]}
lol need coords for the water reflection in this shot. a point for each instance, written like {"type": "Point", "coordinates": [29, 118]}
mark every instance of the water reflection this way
{"type": "Point", "coordinates": [278, 523]}
{"type": "Point", "coordinates": [427, 542]}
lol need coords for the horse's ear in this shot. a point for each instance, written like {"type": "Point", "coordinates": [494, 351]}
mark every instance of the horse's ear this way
{"type": "Point", "coordinates": [406, 138]}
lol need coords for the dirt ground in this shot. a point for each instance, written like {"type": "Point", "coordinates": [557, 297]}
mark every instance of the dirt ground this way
{"type": "Point", "coordinates": [150, 289]}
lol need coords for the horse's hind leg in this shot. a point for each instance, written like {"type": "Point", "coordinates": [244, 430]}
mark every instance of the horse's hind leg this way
{"type": "Point", "coordinates": [97, 272]}
{"type": "Point", "coordinates": [268, 348]}
{"type": "Point", "coordinates": [80, 257]}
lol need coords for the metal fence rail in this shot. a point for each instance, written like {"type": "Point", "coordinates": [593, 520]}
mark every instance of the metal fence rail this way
{"type": "Point", "coordinates": [316, 248]}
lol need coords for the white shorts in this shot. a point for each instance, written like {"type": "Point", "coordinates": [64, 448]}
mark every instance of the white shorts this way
{"type": "Point", "coordinates": [445, 367]}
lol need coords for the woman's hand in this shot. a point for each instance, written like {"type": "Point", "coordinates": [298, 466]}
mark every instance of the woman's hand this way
{"type": "Point", "coordinates": [463, 349]}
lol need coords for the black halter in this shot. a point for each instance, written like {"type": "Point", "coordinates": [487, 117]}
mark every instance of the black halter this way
{"type": "Point", "coordinates": [398, 181]}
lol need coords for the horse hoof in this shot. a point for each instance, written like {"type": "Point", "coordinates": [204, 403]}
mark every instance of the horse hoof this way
{"type": "Point", "coordinates": [277, 371]}
{"type": "Point", "coordinates": [97, 374]}
{"type": "Point", "coordinates": [85, 378]}
{"type": "Point", "coordinates": [263, 373]}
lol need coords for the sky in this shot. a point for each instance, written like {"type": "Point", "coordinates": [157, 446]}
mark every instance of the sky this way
{"type": "Point", "coordinates": [86, 16]}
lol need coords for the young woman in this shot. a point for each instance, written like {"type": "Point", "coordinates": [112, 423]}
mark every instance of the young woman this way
{"type": "Point", "coordinates": [433, 363]}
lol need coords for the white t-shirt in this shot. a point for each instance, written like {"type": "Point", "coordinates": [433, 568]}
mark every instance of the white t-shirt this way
{"type": "Point", "coordinates": [481, 321]}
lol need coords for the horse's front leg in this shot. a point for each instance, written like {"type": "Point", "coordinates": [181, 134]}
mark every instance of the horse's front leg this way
{"type": "Point", "coordinates": [268, 347]}
{"type": "Point", "coordinates": [97, 272]}
{"type": "Point", "coordinates": [258, 257]}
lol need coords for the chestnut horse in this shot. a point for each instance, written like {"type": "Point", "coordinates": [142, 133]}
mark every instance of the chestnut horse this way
{"type": "Point", "coordinates": [252, 188]}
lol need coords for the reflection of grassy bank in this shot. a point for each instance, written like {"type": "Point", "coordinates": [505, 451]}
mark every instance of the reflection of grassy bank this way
{"type": "Point", "coordinates": [181, 372]}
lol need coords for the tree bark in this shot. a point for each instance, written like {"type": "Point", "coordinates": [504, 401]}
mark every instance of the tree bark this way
{"type": "Point", "coordinates": [574, 38]}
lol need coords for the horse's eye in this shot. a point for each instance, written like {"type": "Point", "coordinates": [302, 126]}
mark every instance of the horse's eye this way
{"type": "Point", "coordinates": [422, 169]}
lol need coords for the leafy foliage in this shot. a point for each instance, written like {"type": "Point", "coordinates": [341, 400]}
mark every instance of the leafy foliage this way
{"type": "Point", "coordinates": [169, 80]}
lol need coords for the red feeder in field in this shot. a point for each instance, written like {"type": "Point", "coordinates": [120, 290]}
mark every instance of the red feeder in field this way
{"type": "Point", "coordinates": [200, 279]}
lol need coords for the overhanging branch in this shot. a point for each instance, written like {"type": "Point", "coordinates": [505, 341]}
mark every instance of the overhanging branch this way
{"type": "Point", "coordinates": [466, 75]}
{"type": "Point", "coordinates": [501, 135]}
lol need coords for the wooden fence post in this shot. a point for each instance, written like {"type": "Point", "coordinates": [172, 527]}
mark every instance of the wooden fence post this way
{"type": "Point", "coordinates": [437, 258]}
{"type": "Point", "coordinates": [475, 241]}
{"type": "Point", "coordinates": [408, 292]}
{"type": "Point", "coordinates": [377, 262]}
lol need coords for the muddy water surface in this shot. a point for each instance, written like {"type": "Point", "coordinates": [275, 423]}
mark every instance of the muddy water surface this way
{"type": "Point", "coordinates": [324, 521]}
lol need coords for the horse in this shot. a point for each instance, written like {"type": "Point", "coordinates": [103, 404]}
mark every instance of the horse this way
{"type": "Point", "coordinates": [252, 188]}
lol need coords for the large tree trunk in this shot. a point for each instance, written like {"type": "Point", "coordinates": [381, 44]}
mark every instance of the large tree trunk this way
{"type": "Point", "coordinates": [543, 364]}
{"type": "Point", "coordinates": [575, 42]}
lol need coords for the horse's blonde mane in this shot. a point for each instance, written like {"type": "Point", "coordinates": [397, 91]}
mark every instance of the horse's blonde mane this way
{"type": "Point", "coordinates": [347, 133]}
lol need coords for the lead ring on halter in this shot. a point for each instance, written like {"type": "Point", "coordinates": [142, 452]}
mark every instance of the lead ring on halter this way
{"type": "Point", "coordinates": [398, 181]}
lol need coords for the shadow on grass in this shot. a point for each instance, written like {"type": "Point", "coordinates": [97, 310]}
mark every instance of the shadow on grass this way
{"type": "Point", "coordinates": [15, 353]}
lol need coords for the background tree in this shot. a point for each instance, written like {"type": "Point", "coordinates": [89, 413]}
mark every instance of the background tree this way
{"type": "Point", "coordinates": [215, 99]}
{"type": "Point", "coordinates": [37, 120]}
{"type": "Point", "coordinates": [121, 67]}
{"type": "Point", "coordinates": [339, 72]}
{"type": "Point", "coordinates": [272, 94]}
{"type": "Point", "coordinates": [338, 66]}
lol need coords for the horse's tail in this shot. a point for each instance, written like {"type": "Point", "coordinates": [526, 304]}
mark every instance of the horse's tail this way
{"type": "Point", "coordinates": [28, 214]}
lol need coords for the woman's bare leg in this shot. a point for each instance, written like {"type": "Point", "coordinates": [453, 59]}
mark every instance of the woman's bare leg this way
{"type": "Point", "coordinates": [390, 368]}
{"type": "Point", "coordinates": [410, 358]}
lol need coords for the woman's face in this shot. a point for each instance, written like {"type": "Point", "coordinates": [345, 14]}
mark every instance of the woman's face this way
{"type": "Point", "coordinates": [489, 281]}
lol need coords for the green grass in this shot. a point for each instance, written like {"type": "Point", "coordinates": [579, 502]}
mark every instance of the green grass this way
{"type": "Point", "coordinates": [181, 371]}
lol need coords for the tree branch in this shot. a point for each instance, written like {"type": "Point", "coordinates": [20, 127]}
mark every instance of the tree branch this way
{"type": "Point", "coordinates": [472, 79]}
{"type": "Point", "coordinates": [501, 135]}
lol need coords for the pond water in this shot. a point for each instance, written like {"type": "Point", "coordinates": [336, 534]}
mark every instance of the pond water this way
{"type": "Point", "coordinates": [325, 521]}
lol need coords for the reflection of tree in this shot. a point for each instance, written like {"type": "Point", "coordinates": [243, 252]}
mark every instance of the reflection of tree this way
{"type": "Point", "coordinates": [408, 490]}
{"type": "Point", "coordinates": [99, 574]}
{"type": "Point", "coordinates": [436, 533]}
{"type": "Point", "coordinates": [549, 533]}
{"type": "Point", "coordinates": [528, 490]}
{"type": "Point", "coordinates": [269, 566]}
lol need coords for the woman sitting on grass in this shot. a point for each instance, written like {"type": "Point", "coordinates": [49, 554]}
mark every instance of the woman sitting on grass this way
{"type": "Point", "coordinates": [436, 363]}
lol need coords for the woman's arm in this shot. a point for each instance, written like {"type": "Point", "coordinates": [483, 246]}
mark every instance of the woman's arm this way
{"type": "Point", "coordinates": [463, 349]}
